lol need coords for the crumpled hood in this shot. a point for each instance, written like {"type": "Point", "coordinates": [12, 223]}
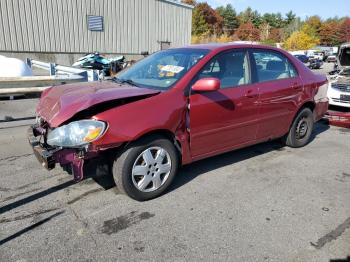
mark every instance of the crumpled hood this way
{"type": "Point", "coordinates": [59, 103]}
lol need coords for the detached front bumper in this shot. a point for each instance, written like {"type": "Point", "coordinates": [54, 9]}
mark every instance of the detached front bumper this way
{"type": "Point", "coordinates": [49, 157]}
{"type": "Point", "coordinates": [337, 118]}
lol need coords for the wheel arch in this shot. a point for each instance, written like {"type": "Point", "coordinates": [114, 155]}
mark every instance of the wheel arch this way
{"type": "Point", "coordinates": [163, 133]}
{"type": "Point", "coordinates": [308, 104]}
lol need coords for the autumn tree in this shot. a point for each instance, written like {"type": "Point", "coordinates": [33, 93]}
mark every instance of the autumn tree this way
{"type": "Point", "coordinates": [330, 33]}
{"type": "Point", "coordinates": [276, 35]}
{"type": "Point", "coordinates": [345, 30]}
{"type": "Point", "coordinates": [223, 24]}
{"type": "Point", "coordinates": [300, 41]}
{"type": "Point", "coordinates": [248, 32]}
{"type": "Point", "coordinates": [312, 26]}
{"type": "Point", "coordinates": [270, 35]}
{"type": "Point", "coordinates": [189, 2]}
{"type": "Point", "coordinates": [230, 20]}
{"type": "Point", "coordinates": [212, 18]}
{"type": "Point", "coordinates": [264, 31]}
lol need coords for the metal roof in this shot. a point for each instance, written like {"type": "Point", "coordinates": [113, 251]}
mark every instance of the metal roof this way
{"type": "Point", "coordinates": [177, 2]}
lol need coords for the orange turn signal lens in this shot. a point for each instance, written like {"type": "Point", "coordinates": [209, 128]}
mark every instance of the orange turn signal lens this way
{"type": "Point", "coordinates": [92, 134]}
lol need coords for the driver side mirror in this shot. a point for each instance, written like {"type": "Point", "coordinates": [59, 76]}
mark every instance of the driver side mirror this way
{"type": "Point", "coordinates": [206, 85]}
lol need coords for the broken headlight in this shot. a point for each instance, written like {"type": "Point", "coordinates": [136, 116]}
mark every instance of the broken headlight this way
{"type": "Point", "coordinates": [76, 134]}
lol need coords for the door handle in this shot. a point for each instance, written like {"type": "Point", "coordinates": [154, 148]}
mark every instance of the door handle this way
{"type": "Point", "coordinates": [250, 94]}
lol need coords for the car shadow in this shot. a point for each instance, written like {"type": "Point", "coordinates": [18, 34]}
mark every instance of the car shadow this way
{"type": "Point", "coordinates": [36, 196]}
{"type": "Point", "coordinates": [320, 127]}
{"type": "Point", "coordinates": [339, 109]}
{"type": "Point", "coordinates": [191, 171]}
{"type": "Point", "coordinates": [102, 174]}
{"type": "Point", "coordinates": [29, 228]}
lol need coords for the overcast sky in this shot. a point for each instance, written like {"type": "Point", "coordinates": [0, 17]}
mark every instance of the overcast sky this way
{"type": "Point", "coordinates": [302, 8]}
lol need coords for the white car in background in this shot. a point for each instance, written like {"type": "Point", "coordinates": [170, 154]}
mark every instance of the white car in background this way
{"type": "Point", "coordinates": [332, 58]}
{"type": "Point", "coordinates": [339, 85]}
{"type": "Point", "coordinates": [319, 55]}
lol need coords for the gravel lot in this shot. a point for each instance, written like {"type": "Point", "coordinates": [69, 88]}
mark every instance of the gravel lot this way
{"type": "Point", "coordinates": [262, 203]}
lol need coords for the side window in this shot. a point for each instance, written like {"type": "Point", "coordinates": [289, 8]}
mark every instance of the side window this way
{"type": "Point", "coordinates": [231, 68]}
{"type": "Point", "coordinates": [273, 66]}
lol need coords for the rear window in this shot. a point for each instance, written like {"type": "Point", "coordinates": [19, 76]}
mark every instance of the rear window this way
{"type": "Point", "coordinates": [272, 66]}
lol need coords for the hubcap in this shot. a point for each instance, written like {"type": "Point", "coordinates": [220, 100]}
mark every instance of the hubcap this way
{"type": "Point", "coordinates": [302, 128]}
{"type": "Point", "coordinates": [151, 169]}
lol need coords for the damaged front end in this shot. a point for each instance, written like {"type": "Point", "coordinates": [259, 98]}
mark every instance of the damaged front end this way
{"type": "Point", "coordinates": [71, 157]}
{"type": "Point", "coordinates": [339, 85]}
{"type": "Point", "coordinates": [66, 129]}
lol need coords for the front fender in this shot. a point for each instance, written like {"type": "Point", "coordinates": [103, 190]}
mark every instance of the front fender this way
{"type": "Point", "coordinates": [131, 121]}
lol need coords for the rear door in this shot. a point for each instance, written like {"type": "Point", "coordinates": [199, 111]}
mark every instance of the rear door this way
{"type": "Point", "coordinates": [226, 118]}
{"type": "Point", "coordinates": [279, 88]}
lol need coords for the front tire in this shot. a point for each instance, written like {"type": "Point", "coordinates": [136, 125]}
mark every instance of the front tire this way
{"type": "Point", "coordinates": [300, 132]}
{"type": "Point", "coordinates": [146, 168]}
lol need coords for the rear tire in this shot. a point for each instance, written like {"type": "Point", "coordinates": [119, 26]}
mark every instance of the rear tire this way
{"type": "Point", "coordinates": [145, 169]}
{"type": "Point", "coordinates": [300, 132]}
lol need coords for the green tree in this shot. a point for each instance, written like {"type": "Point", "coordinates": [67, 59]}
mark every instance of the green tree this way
{"type": "Point", "coordinates": [199, 24]}
{"type": "Point", "coordinates": [229, 15]}
{"type": "Point", "coordinates": [249, 15]}
{"type": "Point", "coordinates": [274, 20]}
{"type": "Point", "coordinates": [290, 17]}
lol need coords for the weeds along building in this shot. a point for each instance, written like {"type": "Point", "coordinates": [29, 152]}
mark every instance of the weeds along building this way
{"type": "Point", "coordinates": [62, 30]}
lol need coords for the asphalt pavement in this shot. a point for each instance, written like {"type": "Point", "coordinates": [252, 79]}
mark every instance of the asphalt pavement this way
{"type": "Point", "coordinates": [262, 203]}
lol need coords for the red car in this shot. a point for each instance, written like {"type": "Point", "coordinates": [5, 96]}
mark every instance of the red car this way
{"type": "Point", "coordinates": [175, 107]}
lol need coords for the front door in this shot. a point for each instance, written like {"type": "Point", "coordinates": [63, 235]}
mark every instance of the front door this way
{"type": "Point", "coordinates": [227, 118]}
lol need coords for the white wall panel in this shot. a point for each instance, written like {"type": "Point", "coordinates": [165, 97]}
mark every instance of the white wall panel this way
{"type": "Point", "coordinates": [60, 26]}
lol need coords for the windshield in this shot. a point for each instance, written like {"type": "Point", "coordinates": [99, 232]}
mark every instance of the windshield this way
{"type": "Point", "coordinates": [162, 69]}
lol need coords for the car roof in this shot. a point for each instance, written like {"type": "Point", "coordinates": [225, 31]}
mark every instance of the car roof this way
{"type": "Point", "coordinates": [215, 46]}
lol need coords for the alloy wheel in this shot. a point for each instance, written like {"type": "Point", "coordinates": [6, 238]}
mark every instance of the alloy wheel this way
{"type": "Point", "coordinates": [151, 169]}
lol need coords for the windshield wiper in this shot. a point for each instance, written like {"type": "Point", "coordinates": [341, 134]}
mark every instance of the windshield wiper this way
{"type": "Point", "coordinates": [128, 81]}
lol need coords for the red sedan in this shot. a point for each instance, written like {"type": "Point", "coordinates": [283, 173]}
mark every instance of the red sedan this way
{"type": "Point", "coordinates": [175, 107]}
